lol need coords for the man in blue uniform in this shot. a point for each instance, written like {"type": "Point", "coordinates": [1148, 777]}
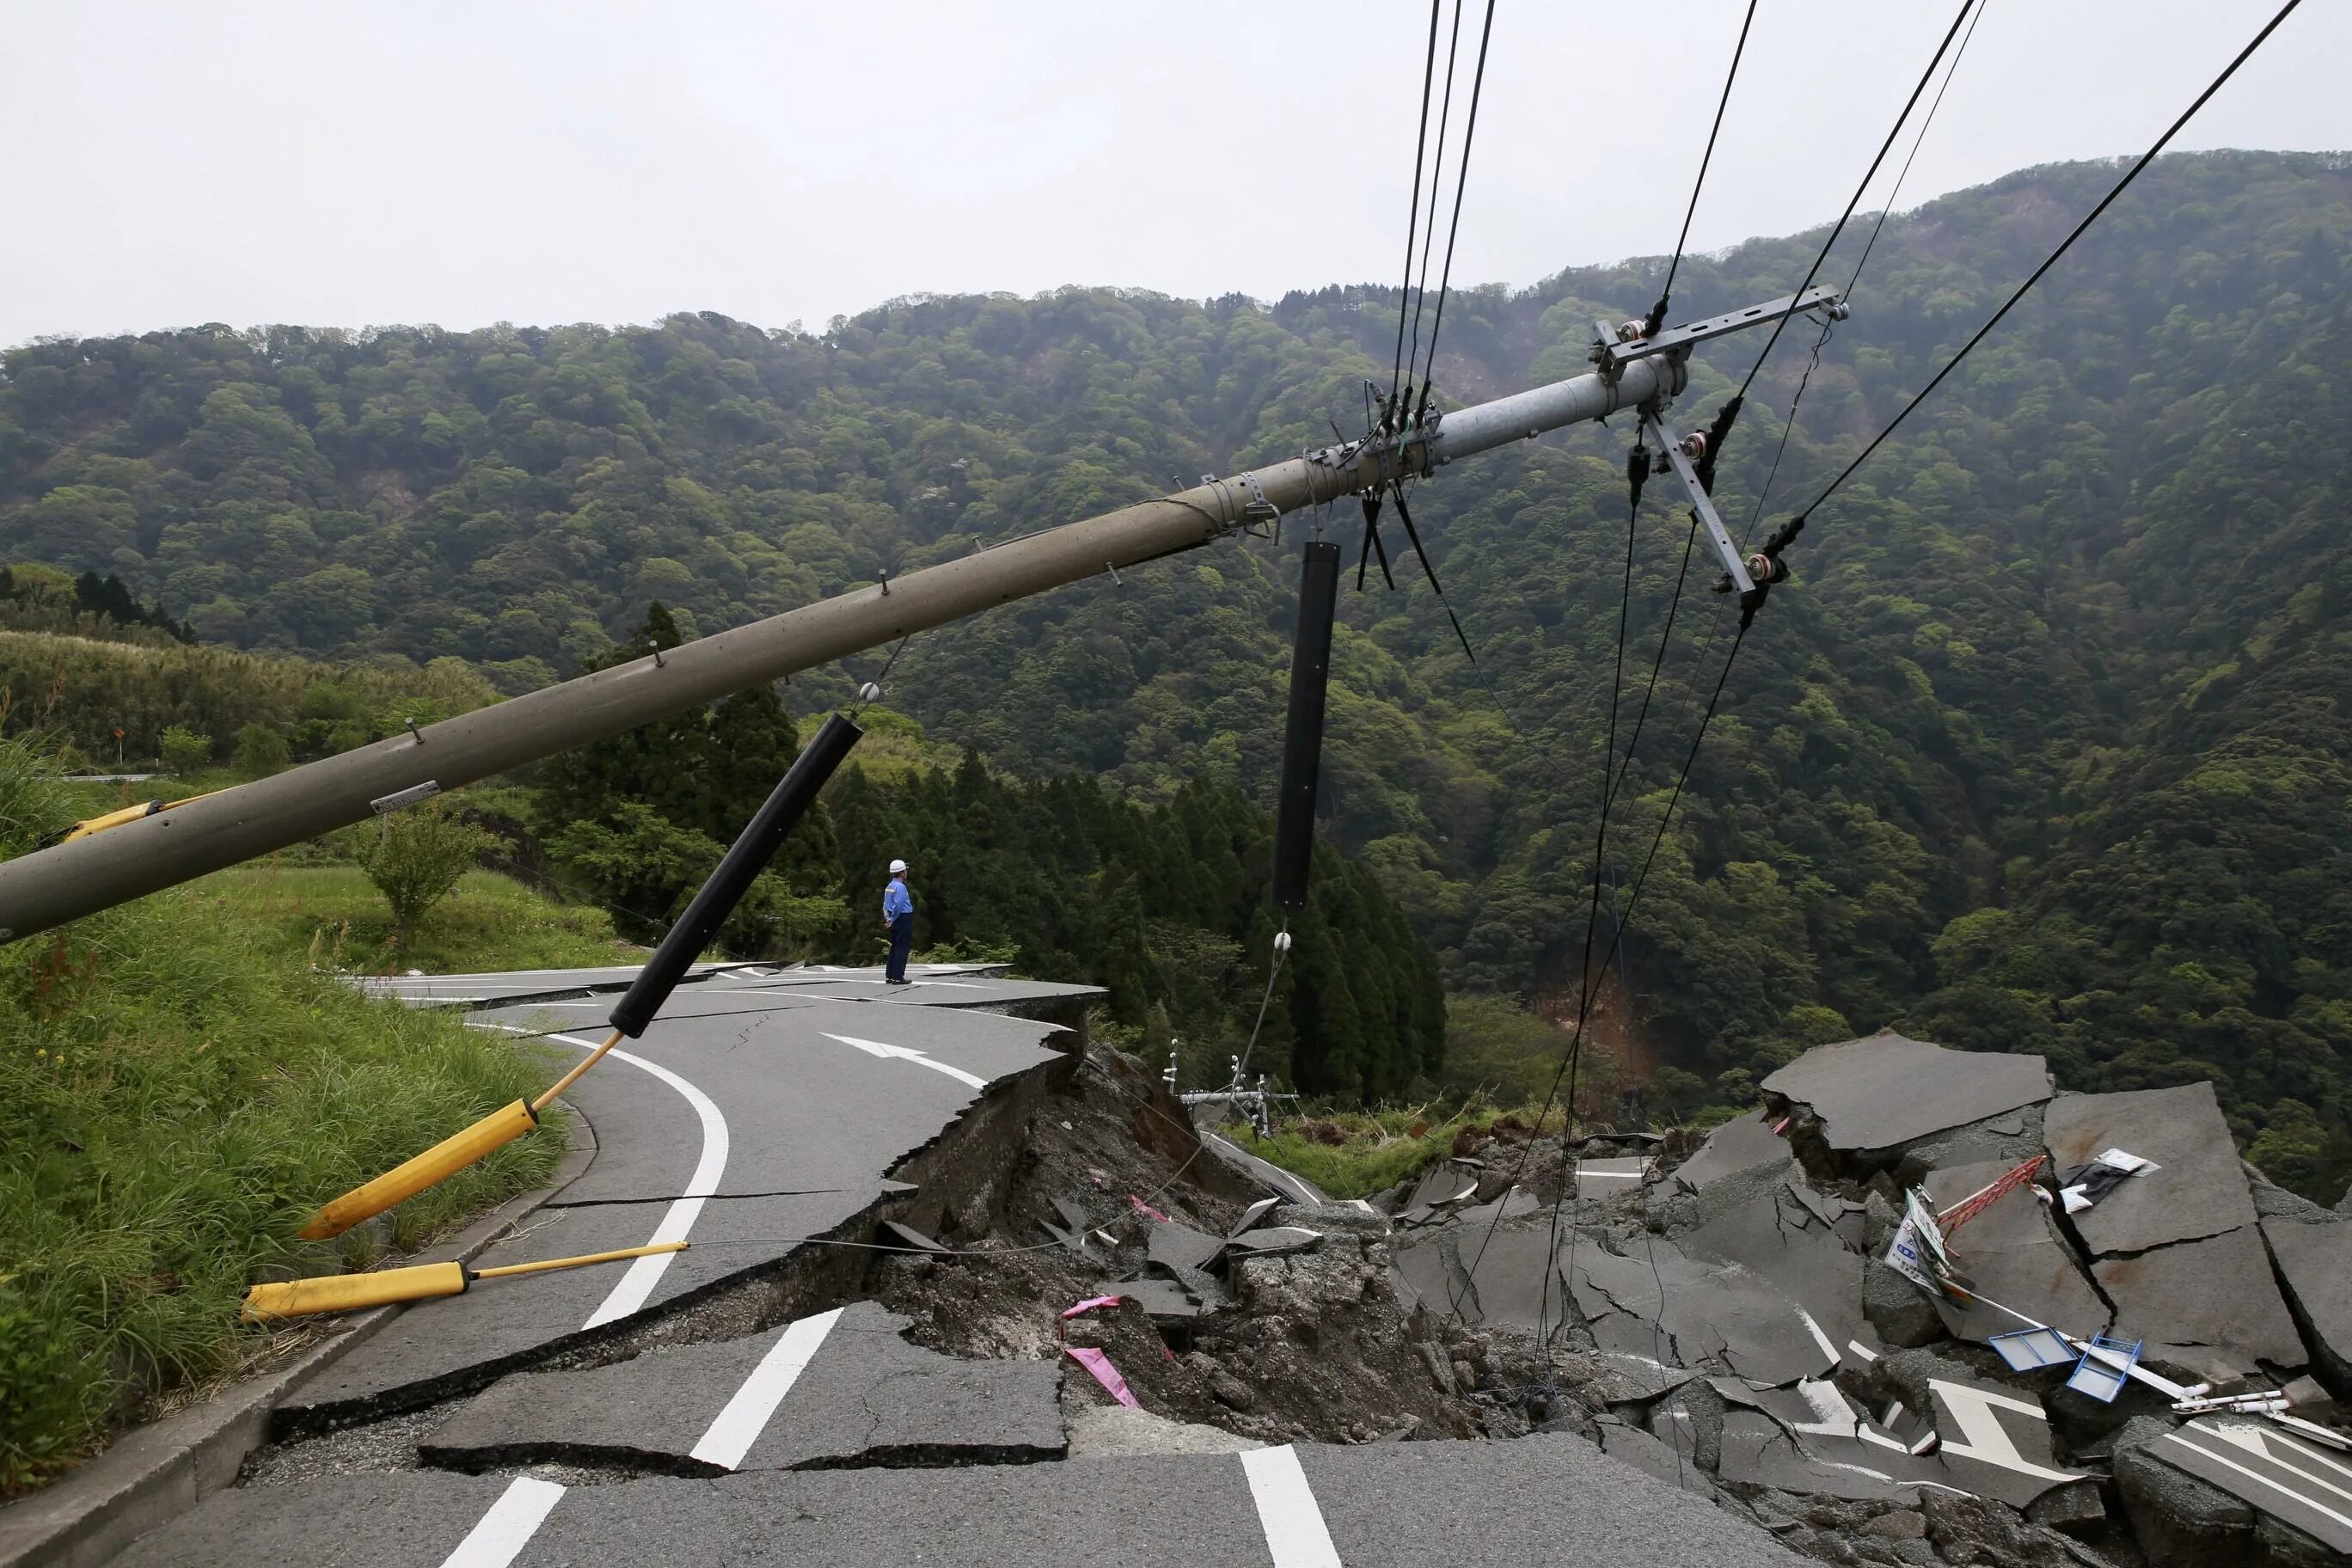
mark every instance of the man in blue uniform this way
{"type": "Point", "coordinates": [898, 915]}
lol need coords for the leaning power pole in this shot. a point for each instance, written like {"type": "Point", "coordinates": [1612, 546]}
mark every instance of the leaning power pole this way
{"type": "Point", "coordinates": [95, 870]}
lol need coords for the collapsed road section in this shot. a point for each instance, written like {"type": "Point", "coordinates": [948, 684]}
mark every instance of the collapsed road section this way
{"type": "Point", "coordinates": [1924, 1301]}
{"type": "Point", "coordinates": [964, 1289]}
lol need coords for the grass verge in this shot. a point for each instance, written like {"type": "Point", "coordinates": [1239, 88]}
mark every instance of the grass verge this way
{"type": "Point", "coordinates": [177, 1093]}
{"type": "Point", "coordinates": [334, 916]}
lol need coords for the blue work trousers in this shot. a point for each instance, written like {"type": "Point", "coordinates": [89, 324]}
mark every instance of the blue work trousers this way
{"type": "Point", "coordinates": [902, 941]}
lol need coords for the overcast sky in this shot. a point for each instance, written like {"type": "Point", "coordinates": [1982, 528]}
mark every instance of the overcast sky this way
{"type": "Point", "coordinates": [462, 164]}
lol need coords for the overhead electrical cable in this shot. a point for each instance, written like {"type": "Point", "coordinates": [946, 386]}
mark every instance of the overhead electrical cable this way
{"type": "Point", "coordinates": [1839, 228]}
{"type": "Point", "coordinates": [1658, 310]}
{"type": "Point", "coordinates": [1436, 178]}
{"type": "Point", "coordinates": [1412, 216]}
{"type": "Point", "coordinates": [1925, 123]}
{"type": "Point", "coordinates": [1788, 424]}
{"type": "Point", "coordinates": [2104, 202]}
{"type": "Point", "coordinates": [1454, 228]}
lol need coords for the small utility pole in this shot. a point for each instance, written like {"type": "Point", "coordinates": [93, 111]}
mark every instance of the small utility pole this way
{"type": "Point", "coordinates": [99, 869]}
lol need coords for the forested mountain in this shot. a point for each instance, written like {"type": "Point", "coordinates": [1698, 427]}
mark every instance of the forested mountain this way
{"type": "Point", "coordinates": [2045, 748]}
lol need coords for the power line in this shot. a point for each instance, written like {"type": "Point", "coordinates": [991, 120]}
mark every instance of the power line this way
{"type": "Point", "coordinates": [1658, 310]}
{"type": "Point", "coordinates": [1436, 178]}
{"type": "Point", "coordinates": [1412, 218]}
{"type": "Point", "coordinates": [2104, 202]}
{"type": "Point", "coordinates": [1895, 129]}
{"type": "Point", "coordinates": [1462, 179]}
{"type": "Point", "coordinates": [1904, 173]}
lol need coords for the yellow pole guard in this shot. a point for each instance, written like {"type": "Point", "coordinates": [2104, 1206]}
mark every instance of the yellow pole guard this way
{"type": "Point", "coordinates": [567, 1080]}
{"type": "Point", "coordinates": [128, 813]}
{"type": "Point", "coordinates": [349, 1293]}
{"type": "Point", "coordinates": [452, 1154]}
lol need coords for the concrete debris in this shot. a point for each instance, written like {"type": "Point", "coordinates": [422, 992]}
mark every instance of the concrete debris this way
{"type": "Point", "coordinates": [1117, 1431]}
{"type": "Point", "coordinates": [1886, 1091]}
{"type": "Point", "coordinates": [1728, 1325]}
{"type": "Point", "coordinates": [2210, 1307]}
{"type": "Point", "coordinates": [1744, 1144]}
{"type": "Point", "coordinates": [2226, 1489]}
{"type": "Point", "coordinates": [2315, 1262]}
{"type": "Point", "coordinates": [1275, 1242]}
{"type": "Point", "coordinates": [2196, 1189]}
{"type": "Point", "coordinates": [1254, 1215]}
{"type": "Point", "coordinates": [2012, 1253]}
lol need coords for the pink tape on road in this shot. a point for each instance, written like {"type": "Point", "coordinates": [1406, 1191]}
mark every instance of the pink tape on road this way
{"type": "Point", "coordinates": [1142, 1207]}
{"type": "Point", "coordinates": [1091, 1303]}
{"type": "Point", "coordinates": [1095, 1362]}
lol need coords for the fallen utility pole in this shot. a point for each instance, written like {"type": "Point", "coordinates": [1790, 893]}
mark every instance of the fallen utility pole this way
{"type": "Point", "coordinates": [165, 848]}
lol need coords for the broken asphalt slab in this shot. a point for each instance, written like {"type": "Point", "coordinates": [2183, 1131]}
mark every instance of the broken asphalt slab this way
{"type": "Point", "coordinates": [2315, 1261]}
{"type": "Point", "coordinates": [2012, 1253]}
{"type": "Point", "coordinates": [510, 987]}
{"type": "Point", "coordinates": [2197, 1188]}
{"type": "Point", "coordinates": [2210, 1305]}
{"type": "Point", "coordinates": [1885, 1091]}
{"type": "Point", "coordinates": [1546, 1498]}
{"type": "Point", "coordinates": [722, 1130]}
{"type": "Point", "coordinates": [862, 1394]}
{"type": "Point", "coordinates": [1743, 1143]}
{"type": "Point", "coordinates": [2267, 1474]}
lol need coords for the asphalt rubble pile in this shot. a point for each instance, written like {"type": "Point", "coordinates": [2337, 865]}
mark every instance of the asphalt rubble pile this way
{"type": "Point", "coordinates": [1727, 1317]}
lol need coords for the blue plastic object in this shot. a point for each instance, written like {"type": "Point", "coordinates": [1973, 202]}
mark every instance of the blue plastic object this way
{"type": "Point", "coordinates": [2100, 1378]}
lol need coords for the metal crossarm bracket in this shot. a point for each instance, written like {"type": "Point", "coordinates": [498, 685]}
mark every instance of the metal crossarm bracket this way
{"type": "Point", "coordinates": [1612, 355]}
{"type": "Point", "coordinates": [1672, 446]}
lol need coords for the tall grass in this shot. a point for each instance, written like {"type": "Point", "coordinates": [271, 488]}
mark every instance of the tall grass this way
{"type": "Point", "coordinates": [176, 1096]}
{"type": "Point", "coordinates": [333, 915]}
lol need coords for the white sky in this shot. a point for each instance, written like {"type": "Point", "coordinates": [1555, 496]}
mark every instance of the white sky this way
{"type": "Point", "coordinates": [353, 164]}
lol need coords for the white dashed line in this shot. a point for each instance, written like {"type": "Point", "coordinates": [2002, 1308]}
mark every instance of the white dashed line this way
{"type": "Point", "coordinates": [747, 1414]}
{"type": "Point", "coordinates": [1287, 1509]}
{"type": "Point", "coordinates": [507, 1528]}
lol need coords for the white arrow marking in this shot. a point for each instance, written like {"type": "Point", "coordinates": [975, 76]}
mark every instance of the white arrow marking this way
{"type": "Point", "coordinates": [877, 1048]}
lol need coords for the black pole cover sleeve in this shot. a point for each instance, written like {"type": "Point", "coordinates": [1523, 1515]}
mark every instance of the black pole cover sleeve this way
{"type": "Point", "coordinates": [1302, 746]}
{"type": "Point", "coordinates": [746, 859]}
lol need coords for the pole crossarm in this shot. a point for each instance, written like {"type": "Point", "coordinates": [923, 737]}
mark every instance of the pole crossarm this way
{"type": "Point", "coordinates": [1679, 460]}
{"type": "Point", "coordinates": [1613, 353]}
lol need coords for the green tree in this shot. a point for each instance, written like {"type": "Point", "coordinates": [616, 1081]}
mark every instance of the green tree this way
{"type": "Point", "coordinates": [416, 856]}
{"type": "Point", "coordinates": [261, 749]}
{"type": "Point", "coordinates": [186, 751]}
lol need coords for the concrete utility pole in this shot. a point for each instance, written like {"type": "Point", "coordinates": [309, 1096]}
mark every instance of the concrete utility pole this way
{"type": "Point", "coordinates": [98, 870]}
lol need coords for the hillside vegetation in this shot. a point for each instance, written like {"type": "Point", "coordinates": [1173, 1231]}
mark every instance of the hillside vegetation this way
{"type": "Point", "coordinates": [2045, 748]}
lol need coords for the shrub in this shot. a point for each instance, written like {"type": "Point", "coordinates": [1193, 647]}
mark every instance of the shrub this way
{"type": "Point", "coordinates": [186, 751]}
{"type": "Point", "coordinates": [416, 857]}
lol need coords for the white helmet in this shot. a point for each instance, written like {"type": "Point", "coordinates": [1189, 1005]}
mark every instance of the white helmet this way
{"type": "Point", "coordinates": [897, 867]}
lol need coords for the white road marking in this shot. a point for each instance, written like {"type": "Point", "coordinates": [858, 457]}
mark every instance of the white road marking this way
{"type": "Point", "coordinates": [1287, 1509]}
{"type": "Point", "coordinates": [1829, 1351]}
{"type": "Point", "coordinates": [507, 1528]}
{"type": "Point", "coordinates": [1982, 1436]}
{"type": "Point", "coordinates": [644, 1273]}
{"type": "Point", "coordinates": [2254, 1476]}
{"type": "Point", "coordinates": [747, 1414]}
{"type": "Point", "coordinates": [901, 1052]}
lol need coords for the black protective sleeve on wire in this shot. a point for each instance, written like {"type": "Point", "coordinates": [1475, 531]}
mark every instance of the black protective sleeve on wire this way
{"type": "Point", "coordinates": [2104, 202]}
{"type": "Point", "coordinates": [1658, 312]}
{"type": "Point", "coordinates": [1412, 218]}
{"type": "Point", "coordinates": [1461, 179]}
{"type": "Point", "coordinates": [1897, 129]}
